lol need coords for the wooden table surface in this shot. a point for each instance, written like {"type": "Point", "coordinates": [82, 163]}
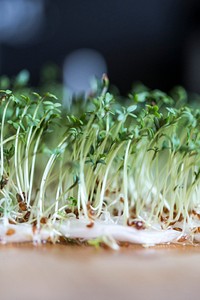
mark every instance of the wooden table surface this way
{"type": "Point", "coordinates": [74, 272]}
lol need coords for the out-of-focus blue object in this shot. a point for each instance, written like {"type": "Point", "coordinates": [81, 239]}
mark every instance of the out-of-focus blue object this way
{"type": "Point", "coordinates": [21, 21]}
{"type": "Point", "coordinates": [80, 69]}
{"type": "Point", "coordinates": [155, 42]}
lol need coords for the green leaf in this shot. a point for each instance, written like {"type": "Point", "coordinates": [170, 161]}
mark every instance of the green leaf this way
{"type": "Point", "coordinates": [171, 110]}
{"type": "Point", "coordinates": [141, 97]}
{"type": "Point", "coordinates": [7, 92]}
{"type": "Point", "coordinates": [9, 152]}
{"type": "Point", "coordinates": [36, 95]}
{"type": "Point", "coordinates": [108, 98]}
{"type": "Point", "coordinates": [57, 104]}
{"type": "Point", "coordinates": [95, 242]}
{"type": "Point", "coordinates": [131, 108]}
{"type": "Point", "coordinates": [14, 124]}
{"type": "Point", "coordinates": [72, 201]}
{"type": "Point", "coordinates": [49, 95]}
{"type": "Point", "coordinates": [26, 98]}
{"type": "Point", "coordinates": [48, 103]}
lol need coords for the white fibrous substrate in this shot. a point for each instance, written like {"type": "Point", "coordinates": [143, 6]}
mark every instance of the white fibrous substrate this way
{"type": "Point", "coordinates": [81, 229]}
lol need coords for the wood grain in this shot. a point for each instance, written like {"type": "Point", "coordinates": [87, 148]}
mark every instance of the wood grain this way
{"type": "Point", "coordinates": [65, 272]}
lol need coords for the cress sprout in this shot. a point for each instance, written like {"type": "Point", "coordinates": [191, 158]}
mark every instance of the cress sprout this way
{"type": "Point", "coordinates": [108, 171]}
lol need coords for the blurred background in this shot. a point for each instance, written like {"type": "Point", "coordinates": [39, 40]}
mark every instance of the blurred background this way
{"type": "Point", "coordinates": [156, 42]}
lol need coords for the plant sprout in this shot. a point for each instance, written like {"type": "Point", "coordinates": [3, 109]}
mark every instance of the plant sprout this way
{"type": "Point", "coordinates": [105, 173]}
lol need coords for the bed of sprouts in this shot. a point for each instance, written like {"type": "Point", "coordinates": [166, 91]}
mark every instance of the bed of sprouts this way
{"type": "Point", "coordinates": [103, 172]}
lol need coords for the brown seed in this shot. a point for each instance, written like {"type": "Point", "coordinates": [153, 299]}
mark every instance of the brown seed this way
{"type": "Point", "coordinates": [121, 199]}
{"type": "Point", "coordinates": [137, 224]}
{"type": "Point", "coordinates": [115, 212]}
{"type": "Point", "coordinates": [164, 218]}
{"type": "Point", "coordinates": [197, 230]}
{"type": "Point", "coordinates": [180, 218]}
{"type": "Point", "coordinates": [23, 206]}
{"type": "Point", "coordinates": [76, 213]}
{"type": "Point", "coordinates": [172, 223]}
{"type": "Point", "coordinates": [133, 212]}
{"type": "Point", "coordinates": [90, 225]}
{"type": "Point", "coordinates": [182, 239]}
{"type": "Point", "coordinates": [10, 231]}
{"type": "Point", "coordinates": [91, 212]}
{"type": "Point", "coordinates": [27, 215]}
{"type": "Point", "coordinates": [165, 210]}
{"type": "Point", "coordinates": [68, 210]}
{"type": "Point", "coordinates": [177, 228]}
{"type": "Point", "coordinates": [19, 198]}
{"type": "Point", "coordinates": [43, 220]}
{"type": "Point", "coordinates": [195, 213]}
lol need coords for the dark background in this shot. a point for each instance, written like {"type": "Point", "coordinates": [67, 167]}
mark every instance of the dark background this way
{"type": "Point", "coordinates": [154, 41]}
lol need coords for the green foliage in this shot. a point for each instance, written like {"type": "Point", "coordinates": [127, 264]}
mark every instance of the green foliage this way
{"type": "Point", "coordinates": [146, 152]}
{"type": "Point", "coordinates": [72, 202]}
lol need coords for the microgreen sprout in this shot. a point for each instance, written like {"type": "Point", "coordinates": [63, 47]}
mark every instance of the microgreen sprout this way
{"type": "Point", "coordinates": [108, 173]}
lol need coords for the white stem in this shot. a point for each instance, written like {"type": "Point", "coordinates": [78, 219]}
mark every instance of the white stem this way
{"type": "Point", "coordinates": [58, 192]}
{"type": "Point", "coordinates": [46, 173]}
{"type": "Point", "coordinates": [33, 168]}
{"type": "Point", "coordinates": [125, 183]}
{"type": "Point", "coordinates": [103, 188]}
{"type": "Point", "coordinates": [83, 193]}
{"type": "Point", "coordinates": [17, 162]}
{"type": "Point", "coordinates": [5, 141]}
{"type": "Point", "coordinates": [28, 143]}
{"type": "Point", "coordinates": [107, 123]}
{"type": "Point", "coordinates": [2, 142]}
